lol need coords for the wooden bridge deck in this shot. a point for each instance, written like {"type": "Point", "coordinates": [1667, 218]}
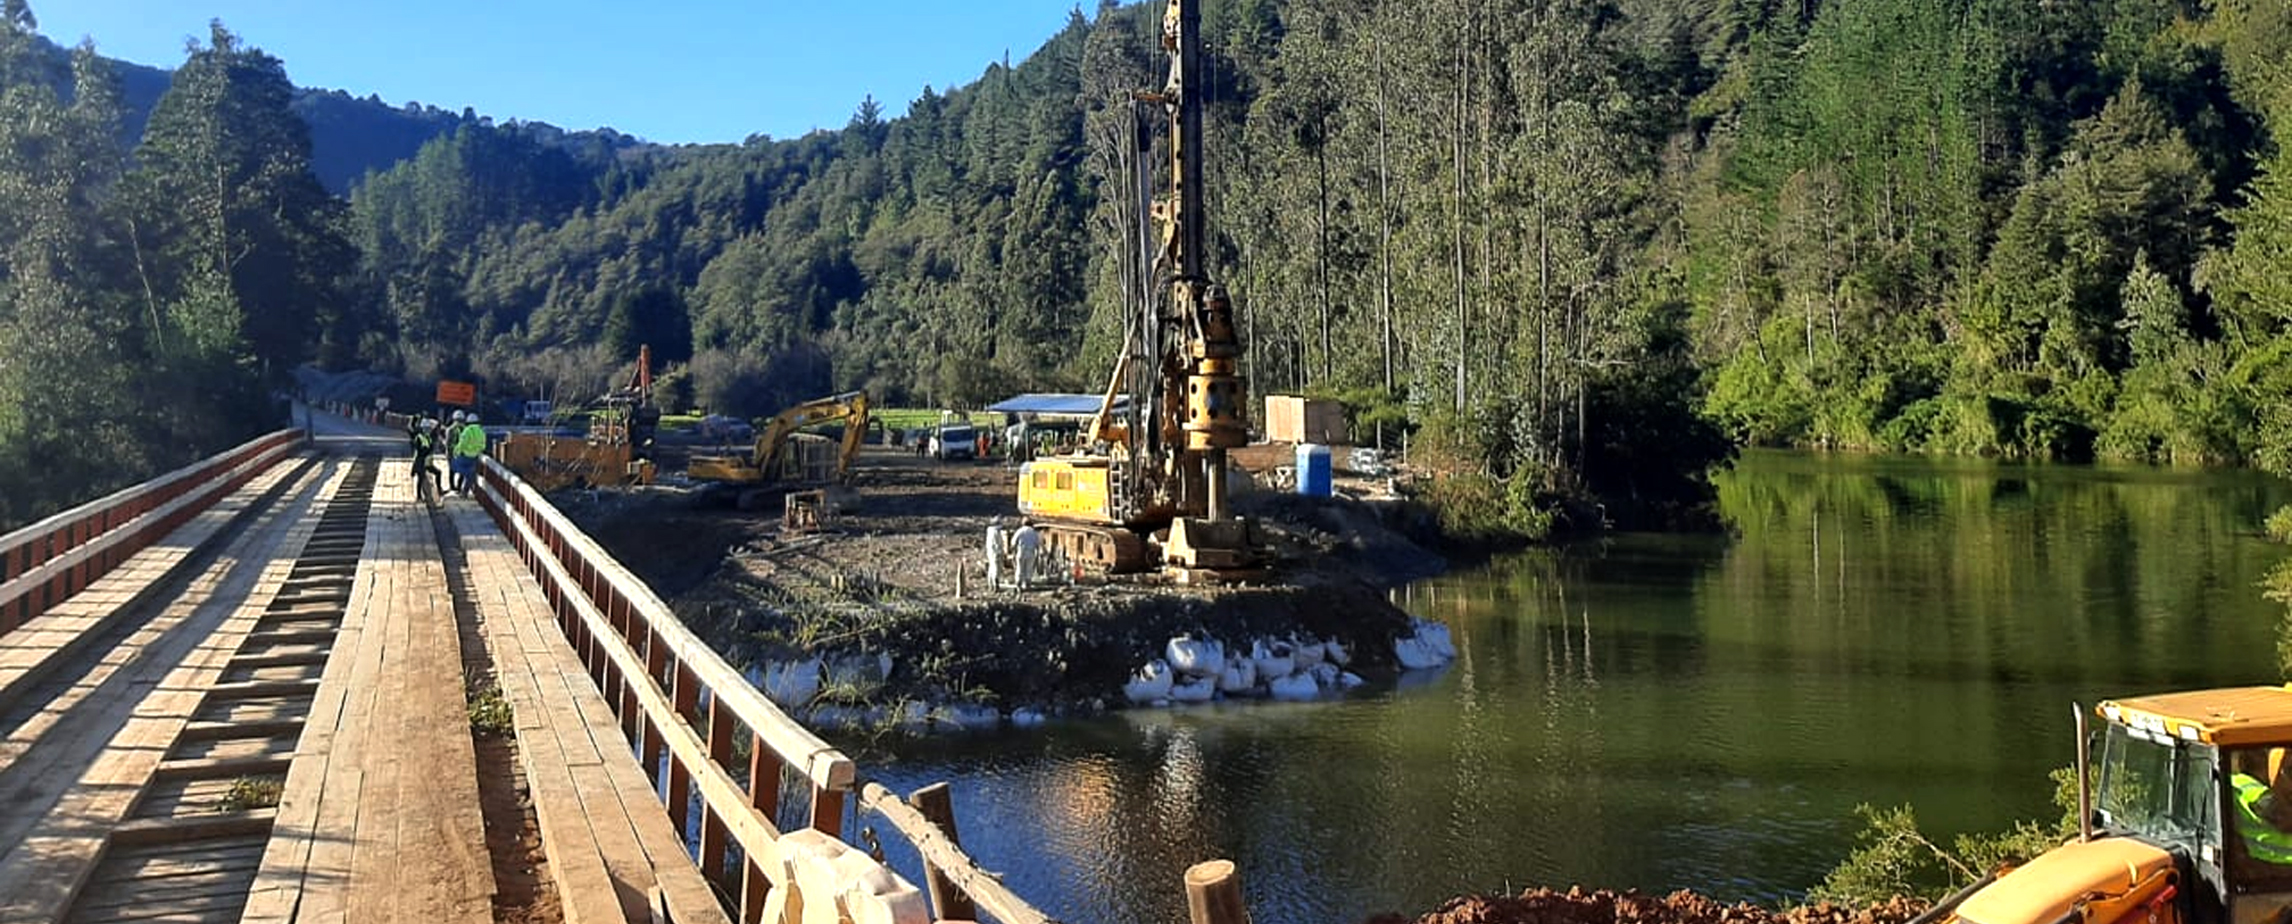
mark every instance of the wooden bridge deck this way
{"type": "Point", "coordinates": [313, 653]}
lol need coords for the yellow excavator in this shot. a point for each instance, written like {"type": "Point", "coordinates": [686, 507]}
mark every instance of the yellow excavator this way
{"type": "Point", "coordinates": [2187, 820]}
{"type": "Point", "coordinates": [1158, 459]}
{"type": "Point", "coordinates": [786, 459]}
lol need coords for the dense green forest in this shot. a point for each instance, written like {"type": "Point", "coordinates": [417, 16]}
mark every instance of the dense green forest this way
{"type": "Point", "coordinates": [1583, 245]}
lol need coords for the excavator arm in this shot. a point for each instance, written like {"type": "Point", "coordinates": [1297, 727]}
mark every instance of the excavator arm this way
{"type": "Point", "coordinates": [851, 407]}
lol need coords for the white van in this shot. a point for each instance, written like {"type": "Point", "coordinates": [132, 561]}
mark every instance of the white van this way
{"type": "Point", "coordinates": [956, 441]}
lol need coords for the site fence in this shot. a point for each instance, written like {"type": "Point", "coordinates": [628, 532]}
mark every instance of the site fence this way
{"type": "Point", "coordinates": [47, 562]}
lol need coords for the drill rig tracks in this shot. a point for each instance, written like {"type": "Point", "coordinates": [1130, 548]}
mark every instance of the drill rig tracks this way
{"type": "Point", "coordinates": [142, 756]}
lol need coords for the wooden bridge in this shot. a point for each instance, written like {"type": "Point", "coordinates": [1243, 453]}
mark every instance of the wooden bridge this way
{"type": "Point", "coordinates": [246, 691]}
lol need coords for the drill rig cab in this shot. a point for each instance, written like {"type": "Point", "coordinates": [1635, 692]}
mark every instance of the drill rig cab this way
{"type": "Point", "coordinates": [1158, 459]}
{"type": "Point", "coordinates": [2188, 821]}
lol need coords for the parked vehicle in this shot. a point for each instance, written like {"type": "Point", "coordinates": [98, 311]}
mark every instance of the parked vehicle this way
{"type": "Point", "coordinates": [723, 428]}
{"type": "Point", "coordinates": [956, 441]}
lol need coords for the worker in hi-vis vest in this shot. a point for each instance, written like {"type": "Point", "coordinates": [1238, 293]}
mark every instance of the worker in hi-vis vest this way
{"type": "Point", "coordinates": [469, 444]}
{"type": "Point", "coordinates": [2264, 812]}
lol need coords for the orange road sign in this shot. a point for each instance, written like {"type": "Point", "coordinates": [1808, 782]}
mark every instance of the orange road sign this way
{"type": "Point", "coordinates": [462, 394]}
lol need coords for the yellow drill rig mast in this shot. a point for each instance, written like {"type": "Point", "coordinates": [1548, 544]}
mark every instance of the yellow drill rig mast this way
{"type": "Point", "coordinates": [1159, 460]}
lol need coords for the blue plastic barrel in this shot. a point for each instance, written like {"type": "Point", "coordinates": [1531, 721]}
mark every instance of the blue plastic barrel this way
{"type": "Point", "coordinates": [1313, 475]}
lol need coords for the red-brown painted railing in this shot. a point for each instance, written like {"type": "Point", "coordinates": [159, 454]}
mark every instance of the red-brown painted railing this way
{"type": "Point", "coordinates": [45, 563]}
{"type": "Point", "coordinates": [656, 674]}
{"type": "Point", "coordinates": [654, 671]}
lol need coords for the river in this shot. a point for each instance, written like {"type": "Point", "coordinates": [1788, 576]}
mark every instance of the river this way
{"type": "Point", "coordinates": [1657, 711]}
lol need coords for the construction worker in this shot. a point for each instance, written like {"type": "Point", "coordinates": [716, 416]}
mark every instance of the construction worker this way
{"type": "Point", "coordinates": [2264, 812]}
{"type": "Point", "coordinates": [421, 432]}
{"type": "Point", "coordinates": [469, 444]}
{"type": "Point", "coordinates": [446, 448]}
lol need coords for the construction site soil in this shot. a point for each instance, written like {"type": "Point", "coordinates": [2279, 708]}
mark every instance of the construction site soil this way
{"type": "Point", "coordinates": [901, 573]}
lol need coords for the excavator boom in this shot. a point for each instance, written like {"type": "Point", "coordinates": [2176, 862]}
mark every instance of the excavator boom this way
{"type": "Point", "coordinates": [767, 463]}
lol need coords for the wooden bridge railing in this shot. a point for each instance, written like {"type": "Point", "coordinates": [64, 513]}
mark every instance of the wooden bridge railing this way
{"type": "Point", "coordinates": [656, 673]}
{"type": "Point", "coordinates": [47, 562]}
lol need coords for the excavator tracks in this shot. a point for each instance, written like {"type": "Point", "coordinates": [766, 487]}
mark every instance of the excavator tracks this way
{"type": "Point", "coordinates": [1108, 549]}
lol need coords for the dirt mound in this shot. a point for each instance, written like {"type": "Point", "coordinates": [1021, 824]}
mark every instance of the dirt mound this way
{"type": "Point", "coordinates": [1576, 906]}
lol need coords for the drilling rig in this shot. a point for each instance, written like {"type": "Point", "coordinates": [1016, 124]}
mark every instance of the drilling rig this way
{"type": "Point", "coordinates": [1151, 486]}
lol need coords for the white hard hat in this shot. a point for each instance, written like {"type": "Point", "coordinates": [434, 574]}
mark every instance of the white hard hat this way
{"type": "Point", "coordinates": [457, 417]}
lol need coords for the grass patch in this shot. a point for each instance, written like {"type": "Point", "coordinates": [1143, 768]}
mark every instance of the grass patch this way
{"type": "Point", "coordinates": [490, 715]}
{"type": "Point", "coordinates": [252, 792]}
{"type": "Point", "coordinates": [910, 418]}
{"type": "Point", "coordinates": [1478, 509]}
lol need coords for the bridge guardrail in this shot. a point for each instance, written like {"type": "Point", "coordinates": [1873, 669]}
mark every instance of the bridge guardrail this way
{"type": "Point", "coordinates": [653, 671]}
{"type": "Point", "coordinates": [47, 562]}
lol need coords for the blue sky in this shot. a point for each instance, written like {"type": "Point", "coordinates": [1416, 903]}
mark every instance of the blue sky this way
{"type": "Point", "coordinates": [670, 71]}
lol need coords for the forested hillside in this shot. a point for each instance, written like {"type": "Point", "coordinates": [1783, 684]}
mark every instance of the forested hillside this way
{"type": "Point", "coordinates": [351, 136]}
{"type": "Point", "coordinates": [1577, 242]}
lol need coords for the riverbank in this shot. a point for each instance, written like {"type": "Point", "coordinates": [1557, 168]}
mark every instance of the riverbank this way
{"type": "Point", "coordinates": [1576, 906]}
{"type": "Point", "coordinates": [889, 614]}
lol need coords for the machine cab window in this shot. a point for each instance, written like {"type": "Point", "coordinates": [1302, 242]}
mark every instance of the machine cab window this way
{"type": "Point", "coordinates": [2159, 789]}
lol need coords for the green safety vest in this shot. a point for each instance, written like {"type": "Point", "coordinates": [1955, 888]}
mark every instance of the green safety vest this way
{"type": "Point", "coordinates": [2261, 839]}
{"type": "Point", "coordinates": [470, 442]}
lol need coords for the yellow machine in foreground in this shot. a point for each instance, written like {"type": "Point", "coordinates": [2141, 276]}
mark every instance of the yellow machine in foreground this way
{"type": "Point", "coordinates": [1160, 457]}
{"type": "Point", "coordinates": [2189, 821]}
{"type": "Point", "coordinates": [785, 459]}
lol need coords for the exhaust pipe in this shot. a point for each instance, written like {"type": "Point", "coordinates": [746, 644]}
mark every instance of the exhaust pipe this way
{"type": "Point", "coordinates": [2084, 779]}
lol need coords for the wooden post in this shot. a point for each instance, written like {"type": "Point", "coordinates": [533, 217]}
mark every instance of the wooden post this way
{"type": "Point", "coordinates": [679, 799]}
{"type": "Point", "coordinates": [948, 903]}
{"type": "Point", "coordinates": [712, 833]}
{"type": "Point", "coordinates": [828, 811]}
{"type": "Point", "coordinates": [764, 795]}
{"type": "Point", "coordinates": [1214, 893]}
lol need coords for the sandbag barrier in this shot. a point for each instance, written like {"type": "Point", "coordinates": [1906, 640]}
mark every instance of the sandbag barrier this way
{"type": "Point", "coordinates": [45, 563]}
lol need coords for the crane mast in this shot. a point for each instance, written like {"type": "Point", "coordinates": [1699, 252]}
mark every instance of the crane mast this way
{"type": "Point", "coordinates": [1201, 388]}
{"type": "Point", "coordinates": [1152, 488]}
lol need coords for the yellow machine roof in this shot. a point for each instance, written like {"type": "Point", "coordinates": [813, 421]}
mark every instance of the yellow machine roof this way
{"type": "Point", "coordinates": [2229, 717]}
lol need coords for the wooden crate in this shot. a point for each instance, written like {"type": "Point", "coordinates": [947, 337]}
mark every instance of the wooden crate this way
{"type": "Point", "coordinates": [1296, 419]}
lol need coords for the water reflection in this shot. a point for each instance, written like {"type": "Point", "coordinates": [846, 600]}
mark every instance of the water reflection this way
{"type": "Point", "coordinates": [1660, 711]}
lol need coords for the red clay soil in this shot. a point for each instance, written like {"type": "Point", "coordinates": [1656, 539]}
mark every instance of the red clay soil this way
{"type": "Point", "coordinates": [1576, 906]}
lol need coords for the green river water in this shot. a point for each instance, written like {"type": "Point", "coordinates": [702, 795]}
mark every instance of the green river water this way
{"type": "Point", "coordinates": [1662, 712]}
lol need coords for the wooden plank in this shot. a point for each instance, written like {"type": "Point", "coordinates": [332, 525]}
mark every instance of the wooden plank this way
{"type": "Point", "coordinates": [147, 832]}
{"type": "Point", "coordinates": [165, 891]}
{"type": "Point", "coordinates": [583, 774]}
{"type": "Point", "coordinates": [227, 768]}
{"type": "Point", "coordinates": [319, 792]}
{"type": "Point", "coordinates": [61, 846]}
